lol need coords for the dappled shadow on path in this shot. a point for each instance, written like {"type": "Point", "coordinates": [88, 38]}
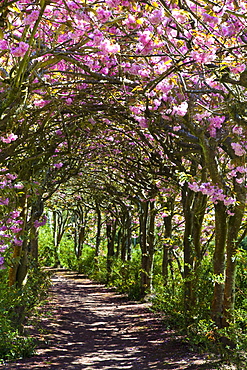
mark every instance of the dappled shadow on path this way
{"type": "Point", "coordinates": [94, 328]}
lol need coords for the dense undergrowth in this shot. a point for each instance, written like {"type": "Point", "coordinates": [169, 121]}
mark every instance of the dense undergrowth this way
{"type": "Point", "coordinates": [17, 305]}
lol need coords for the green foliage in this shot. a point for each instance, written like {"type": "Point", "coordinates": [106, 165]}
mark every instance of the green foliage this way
{"type": "Point", "coordinates": [169, 297]}
{"type": "Point", "coordinates": [46, 246]}
{"type": "Point", "coordinates": [16, 305]}
{"type": "Point", "coordinates": [66, 252]}
{"type": "Point", "coordinates": [126, 277]}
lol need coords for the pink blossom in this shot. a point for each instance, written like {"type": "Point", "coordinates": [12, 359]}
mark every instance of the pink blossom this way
{"type": "Point", "coordinates": [41, 103]}
{"type": "Point", "coordinates": [164, 214]}
{"type": "Point", "coordinates": [103, 14]}
{"type": "Point", "coordinates": [58, 165]}
{"type": "Point", "coordinates": [229, 201]}
{"type": "Point", "coordinates": [130, 20]}
{"type": "Point", "coordinates": [3, 248]}
{"type": "Point", "coordinates": [194, 186]}
{"type": "Point", "coordinates": [237, 69]}
{"type": "Point", "coordinates": [179, 15]}
{"type": "Point", "coordinates": [156, 16]}
{"type": "Point", "coordinates": [38, 223]}
{"type": "Point", "coordinates": [4, 201]}
{"type": "Point", "coordinates": [181, 109]}
{"type": "Point", "coordinates": [19, 186]}
{"type": "Point", "coordinates": [203, 57]}
{"type": "Point", "coordinates": [10, 176]}
{"type": "Point", "coordinates": [240, 180]}
{"type": "Point", "coordinates": [241, 169]}
{"type": "Point", "coordinates": [72, 5]}
{"type": "Point", "coordinates": [3, 45]}
{"type": "Point", "coordinates": [17, 241]}
{"type": "Point", "coordinates": [8, 139]}
{"type": "Point", "coordinates": [69, 101]}
{"type": "Point", "coordinates": [20, 50]}
{"type": "Point", "coordinates": [237, 130]}
{"type": "Point", "coordinates": [145, 37]}
{"type": "Point", "coordinates": [211, 20]}
{"type": "Point", "coordinates": [15, 214]}
{"type": "Point", "coordinates": [238, 149]}
{"type": "Point", "coordinates": [31, 18]}
{"type": "Point", "coordinates": [107, 46]}
{"type": "Point", "coordinates": [15, 229]}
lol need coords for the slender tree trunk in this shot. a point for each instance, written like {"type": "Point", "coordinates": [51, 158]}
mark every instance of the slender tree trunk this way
{"type": "Point", "coordinates": [110, 233]}
{"type": "Point", "coordinates": [143, 244]}
{"type": "Point", "coordinates": [166, 247]}
{"type": "Point", "coordinates": [34, 244]}
{"type": "Point", "coordinates": [219, 262]}
{"type": "Point", "coordinates": [147, 246]}
{"type": "Point", "coordinates": [55, 239]}
{"type": "Point", "coordinates": [36, 213]}
{"type": "Point", "coordinates": [98, 235]}
{"type": "Point", "coordinates": [187, 198]}
{"type": "Point", "coordinates": [150, 239]}
{"type": "Point", "coordinates": [128, 227]}
{"type": "Point", "coordinates": [124, 238]}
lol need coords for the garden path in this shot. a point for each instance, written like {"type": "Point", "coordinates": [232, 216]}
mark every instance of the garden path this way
{"type": "Point", "coordinates": [86, 326]}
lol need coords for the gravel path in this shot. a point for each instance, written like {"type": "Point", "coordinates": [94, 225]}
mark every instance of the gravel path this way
{"type": "Point", "coordinates": [88, 326]}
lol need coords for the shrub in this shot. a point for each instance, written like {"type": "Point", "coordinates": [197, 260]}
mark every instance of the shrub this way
{"type": "Point", "coordinates": [16, 306]}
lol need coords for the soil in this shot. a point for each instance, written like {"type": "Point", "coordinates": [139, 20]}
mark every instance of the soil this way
{"type": "Point", "coordinates": [85, 325]}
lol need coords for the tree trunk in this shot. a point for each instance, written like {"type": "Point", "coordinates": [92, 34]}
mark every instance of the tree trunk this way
{"type": "Point", "coordinates": [187, 198]}
{"type": "Point", "coordinates": [110, 233]}
{"type": "Point", "coordinates": [147, 246]}
{"type": "Point", "coordinates": [166, 247]}
{"type": "Point", "coordinates": [234, 225]}
{"type": "Point", "coordinates": [219, 262]}
{"type": "Point", "coordinates": [128, 227]}
{"type": "Point", "coordinates": [36, 213]}
{"type": "Point", "coordinates": [98, 235]}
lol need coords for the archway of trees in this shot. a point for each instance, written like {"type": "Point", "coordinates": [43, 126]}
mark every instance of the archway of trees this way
{"type": "Point", "coordinates": [123, 126]}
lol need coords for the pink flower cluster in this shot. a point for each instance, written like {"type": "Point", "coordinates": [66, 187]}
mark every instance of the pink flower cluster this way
{"type": "Point", "coordinates": [238, 149]}
{"type": "Point", "coordinates": [181, 109]}
{"type": "Point", "coordinates": [107, 47]}
{"type": "Point", "coordinates": [9, 138]}
{"type": "Point", "coordinates": [31, 18]}
{"type": "Point", "coordinates": [214, 193]}
{"type": "Point", "coordinates": [38, 223]}
{"type": "Point", "coordinates": [20, 50]}
{"type": "Point", "coordinates": [10, 223]}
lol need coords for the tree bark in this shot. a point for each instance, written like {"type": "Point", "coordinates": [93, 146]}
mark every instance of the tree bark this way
{"type": "Point", "coordinates": [219, 262]}
{"type": "Point", "coordinates": [147, 246]}
{"type": "Point", "coordinates": [110, 233]}
{"type": "Point", "coordinates": [98, 235]}
{"type": "Point", "coordinates": [231, 247]}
